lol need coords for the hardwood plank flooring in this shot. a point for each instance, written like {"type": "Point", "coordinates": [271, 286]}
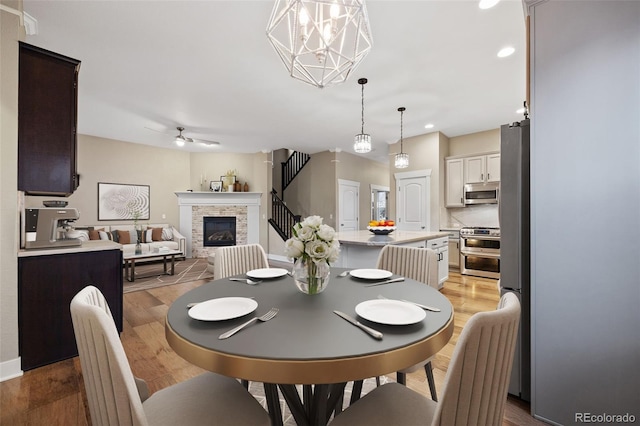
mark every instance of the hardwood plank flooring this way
{"type": "Point", "coordinates": [54, 394]}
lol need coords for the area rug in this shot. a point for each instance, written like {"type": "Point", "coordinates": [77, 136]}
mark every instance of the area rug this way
{"type": "Point", "coordinates": [257, 390]}
{"type": "Point", "coordinates": [185, 271]}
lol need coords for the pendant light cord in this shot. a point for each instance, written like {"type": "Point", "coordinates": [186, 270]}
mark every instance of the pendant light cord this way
{"type": "Point", "coordinates": [362, 100]}
{"type": "Point", "coordinates": [401, 109]}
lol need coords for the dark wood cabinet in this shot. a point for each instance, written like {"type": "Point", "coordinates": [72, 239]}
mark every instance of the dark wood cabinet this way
{"type": "Point", "coordinates": [46, 285]}
{"type": "Point", "coordinates": [47, 121]}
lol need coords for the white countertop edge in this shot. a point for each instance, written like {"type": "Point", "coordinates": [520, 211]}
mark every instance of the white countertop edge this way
{"type": "Point", "coordinates": [366, 238]}
{"type": "Point", "coordinates": [87, 246]}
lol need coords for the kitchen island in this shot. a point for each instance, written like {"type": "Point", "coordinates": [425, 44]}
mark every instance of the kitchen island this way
{"type": "Point", "coordinates": [360, 249]}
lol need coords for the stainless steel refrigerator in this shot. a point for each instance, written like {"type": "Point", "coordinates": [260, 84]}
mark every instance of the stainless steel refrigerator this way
{"type": "Point", "coordinates": [515, 263]}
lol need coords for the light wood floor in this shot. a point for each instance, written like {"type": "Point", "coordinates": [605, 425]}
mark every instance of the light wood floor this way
{"type": "Point", "coordinates": [53, 395]}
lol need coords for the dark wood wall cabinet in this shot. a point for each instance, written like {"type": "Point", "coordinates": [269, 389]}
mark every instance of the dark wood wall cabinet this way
{"type": "Point", "coordinates": [46, 285]}
{"type": "Point", "coordinates": [47, 121]}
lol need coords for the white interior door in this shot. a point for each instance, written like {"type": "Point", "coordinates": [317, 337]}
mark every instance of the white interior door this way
{"type": "Point", "coordinates": [413, 200]}
{"type": "Point", "coordinates": [348, 205]}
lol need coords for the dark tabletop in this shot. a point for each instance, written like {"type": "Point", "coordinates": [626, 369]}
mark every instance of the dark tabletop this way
{"type": "Point", "coordinates": [306, 334]}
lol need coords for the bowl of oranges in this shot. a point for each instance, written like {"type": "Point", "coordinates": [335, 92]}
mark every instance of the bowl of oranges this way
{"type": "Point", "coordinates": [381, 227]}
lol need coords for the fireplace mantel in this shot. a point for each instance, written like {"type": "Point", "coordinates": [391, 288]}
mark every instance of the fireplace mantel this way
{"type": "Point", "coordinates": [188, 200]}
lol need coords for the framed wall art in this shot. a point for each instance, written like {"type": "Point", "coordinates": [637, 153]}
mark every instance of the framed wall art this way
{"type": "Point", "coordinates": [215, 185]}
{"type": "Point", "coordinates": [121, 201]}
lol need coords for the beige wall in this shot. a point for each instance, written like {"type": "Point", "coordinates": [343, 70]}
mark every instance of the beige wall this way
{"type": "Point", "coordinates": [315, 190]}
{"type": "Point", "coordinates": [367, 172]}
{"type": "Point", "coordinates": [9, 235]}
{"type": "Point", "coordinates": [424, 154]}
{"type": "Point", "coordinates": [105, 160]}
{"type": "Point", "coordinates": [475, 143]}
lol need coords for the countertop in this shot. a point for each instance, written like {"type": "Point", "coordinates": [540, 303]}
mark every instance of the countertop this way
{"type": "Point", "coordinates": [86, 246]}
{"type": "Point", "coordinates": [366, 238]}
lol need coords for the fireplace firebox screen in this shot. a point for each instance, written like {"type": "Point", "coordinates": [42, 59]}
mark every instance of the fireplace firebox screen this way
{"type": "Point", "coordinates": [219, 231]}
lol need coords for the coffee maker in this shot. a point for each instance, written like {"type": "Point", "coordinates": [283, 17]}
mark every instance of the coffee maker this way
{"type": "Point", "coordinates": [47, 227]}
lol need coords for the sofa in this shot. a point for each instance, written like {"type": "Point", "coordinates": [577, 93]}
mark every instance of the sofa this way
{"type": "Point", "coordinates": [151, 236]}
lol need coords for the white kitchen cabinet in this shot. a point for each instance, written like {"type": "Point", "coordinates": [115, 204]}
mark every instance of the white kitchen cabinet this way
{"type": "Point", "coordinates": [441, 247]}
{"type": "Point", "coordinates": [474, 169]}
{"type": "Point", "coordinates": [454, 180]}
{"type": "Point", "coordinates": [493, 168]}
{"type": "Point", "coordinates": [482, 168]}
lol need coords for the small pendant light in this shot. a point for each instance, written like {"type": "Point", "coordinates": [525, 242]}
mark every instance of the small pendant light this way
{"type": "Point", "coordinates": [362, 141]}
{"type": "Point", "coordinates": [402, 159]}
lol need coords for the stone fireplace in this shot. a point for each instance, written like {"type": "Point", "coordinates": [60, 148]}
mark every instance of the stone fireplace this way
{"type": "Point", "coordinates": [218, 231]}
{"type": "Point", "coordinates": [243, 207]}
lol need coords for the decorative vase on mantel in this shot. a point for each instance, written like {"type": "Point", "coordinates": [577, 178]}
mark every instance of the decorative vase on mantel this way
{"type": "Point", "coordinates": [311, 277]}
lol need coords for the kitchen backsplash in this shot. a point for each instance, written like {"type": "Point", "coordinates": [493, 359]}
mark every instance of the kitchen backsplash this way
{"type": "Point", "coordinates": [482, 215]}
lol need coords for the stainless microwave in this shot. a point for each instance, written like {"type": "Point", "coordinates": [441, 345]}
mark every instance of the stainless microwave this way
{"type": "Point", "coordinates": [481, 193]}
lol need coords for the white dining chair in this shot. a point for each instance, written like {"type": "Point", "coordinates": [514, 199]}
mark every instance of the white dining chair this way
{"type": "Point", "coordinates": [420, 264]}
{"type": "Point", "coordinates": [475, 387]}
{"type": "Point", "coordinates": [235, 260]}
{"type": "Point", "coordinates": [115, 397]}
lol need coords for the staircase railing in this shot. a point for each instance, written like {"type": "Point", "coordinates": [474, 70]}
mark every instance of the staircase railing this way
{"type": "Point", "coordinates": [290, 168]}
{"type": "Point", "coordinates": [282, 219]}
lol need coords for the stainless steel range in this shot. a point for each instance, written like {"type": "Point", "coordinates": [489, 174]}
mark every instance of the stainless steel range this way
{"type": "Point", "coordinates": [480, 251]}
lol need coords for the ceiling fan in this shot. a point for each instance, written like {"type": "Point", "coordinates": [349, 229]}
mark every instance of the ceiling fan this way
{"type": "Point", "coordinates": [180, 139]}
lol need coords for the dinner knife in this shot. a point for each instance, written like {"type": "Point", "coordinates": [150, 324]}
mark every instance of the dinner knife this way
{"type": "Point", "coordinates": [425, 307]}
{"type": "Point", "coordinates": [394, 280]}
{"type": "Point", "coordinates": [373, 333]}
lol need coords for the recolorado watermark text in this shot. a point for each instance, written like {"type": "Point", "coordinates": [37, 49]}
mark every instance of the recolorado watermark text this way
{"type": "Point", "coordinates": [604, 418]}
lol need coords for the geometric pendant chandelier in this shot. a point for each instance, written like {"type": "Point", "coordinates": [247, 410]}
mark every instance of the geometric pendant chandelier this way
{"type": "Point", "coordinates": [320, 42]}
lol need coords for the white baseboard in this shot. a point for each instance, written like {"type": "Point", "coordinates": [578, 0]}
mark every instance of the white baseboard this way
{"type": "Point", "coordinates": [10, 369]}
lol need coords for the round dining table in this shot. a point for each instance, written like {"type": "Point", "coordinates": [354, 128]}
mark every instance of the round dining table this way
{"type": "Point", "coordinates": [306, 343]}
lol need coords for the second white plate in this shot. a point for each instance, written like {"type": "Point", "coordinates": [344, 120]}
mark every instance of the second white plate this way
{"type": "Point", "coordinates": [223, 308]}
{"type": "Point", "coordinates": [391, 312]}
{"type": "Point", "coordinates": [370, 274]}
{"type": "Point", "coordinates": [263, 273]}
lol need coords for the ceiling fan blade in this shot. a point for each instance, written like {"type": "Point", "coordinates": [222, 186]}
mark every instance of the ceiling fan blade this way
{"type": "Point", "coordinates": [205, 142]}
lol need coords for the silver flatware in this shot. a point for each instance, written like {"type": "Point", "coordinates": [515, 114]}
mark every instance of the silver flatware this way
{"type": "Point", "coordinates": [373, 333]}
{"type": "Point", "coordinates": [246, 280]}
{"type": "Point", "coordinates": [419, 305]}
{"type": "Point", "coordinates": [394, 280]}
{"type": "Point", "coordinates": [425, 307]}
{"type": "Point", "coordinates": [344, 274]}
{"type": "Point", "coordinates": [264, 318]}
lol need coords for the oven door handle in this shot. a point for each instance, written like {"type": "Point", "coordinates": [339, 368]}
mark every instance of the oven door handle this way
{"type": "Point", "coordinates": [480, 237]}
{"type": "Point", "coordinates": [472, 253]}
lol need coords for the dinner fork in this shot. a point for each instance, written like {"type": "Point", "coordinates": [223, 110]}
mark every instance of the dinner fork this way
{"type": "Point", "coordinates": [246, 280]}
{"type": "Point", "coordinates": [266, 317]}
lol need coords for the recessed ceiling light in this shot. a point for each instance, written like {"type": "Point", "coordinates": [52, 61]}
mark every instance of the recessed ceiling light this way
{"type": "Point", "coordinates": [506, 51]}
{"type": "Point", "coordinates": [487, 4]}
{"type": "Point", "coordinates": [428, 126]}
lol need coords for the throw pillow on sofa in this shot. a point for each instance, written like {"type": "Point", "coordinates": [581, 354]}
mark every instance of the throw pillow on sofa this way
{"type": "Point", "coordinates": [123, 237]}
{"type": "Point", "coordinates": [94, 234]}
{"type": "Point", "coordinates": [156, 234]}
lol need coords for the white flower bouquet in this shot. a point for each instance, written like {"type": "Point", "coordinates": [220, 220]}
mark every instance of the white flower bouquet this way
{"type": "Point", "coordinates": [314, 248]}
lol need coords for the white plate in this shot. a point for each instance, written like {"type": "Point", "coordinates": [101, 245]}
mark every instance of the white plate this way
{"type": "Point", "coordinates": [370, 274]}
{"type": "Point", "coordinates": [223, 308]}
{"type": "Point", "coordinates": [267, 273]}
{"type": "Point", "coordinates": [391, 312]}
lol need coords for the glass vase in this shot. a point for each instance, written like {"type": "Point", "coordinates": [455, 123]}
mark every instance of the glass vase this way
{"type": "Point", "coordinates": [310, 277]}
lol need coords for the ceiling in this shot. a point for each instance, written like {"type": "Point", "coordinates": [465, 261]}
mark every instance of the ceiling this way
{"type": "Point", "coordinates": [207, 66]}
